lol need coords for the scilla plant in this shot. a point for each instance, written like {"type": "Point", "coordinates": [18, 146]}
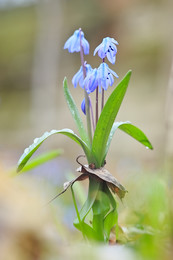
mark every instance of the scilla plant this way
{"type": "Point", "coordinates": [98, 216]}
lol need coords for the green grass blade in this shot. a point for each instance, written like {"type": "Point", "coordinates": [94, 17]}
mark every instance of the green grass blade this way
{"type": "Point", "coordinates": [28, 152]}
{"type": "Point", "coordinates": [75, 113]}
{"type": "Point", "coordinates": [107, 119]}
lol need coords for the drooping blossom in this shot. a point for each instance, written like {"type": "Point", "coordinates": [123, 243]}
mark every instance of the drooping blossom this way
{"type": "Point", "coordinates": [78, 78]}
{"type": "Point", "coordinates": [107, 49]}
{"type": "Point", "coordinates": [101, 77]}
{"type": "Point", "coordinates": [73, 43]}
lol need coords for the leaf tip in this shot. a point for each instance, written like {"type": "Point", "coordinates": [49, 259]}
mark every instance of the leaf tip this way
{"type": "Point", "coordinates": [151, 147]}
{"type": "Point", "coordinates": [65, 82]}
{"type": "Point", "coordinates": [129, 73]}
{"type": "Point", "coordinates": [19, 168]}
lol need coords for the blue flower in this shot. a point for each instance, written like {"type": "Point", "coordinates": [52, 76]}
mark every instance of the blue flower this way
{"type": "Point", "coordinates": [73, 43]}
{"type": "Point", "coordinates": [91, 81]}
{"type": "Point", "coordinates": [78, 77]}
{"type": "Point", "coordinates": [107, 49]}
{"type": "Point", "coordinates": [105, 76]}
{"type": "Point", "coordinates": [83, 105]}
{"type": "Point", "coordinates": [101, 77]}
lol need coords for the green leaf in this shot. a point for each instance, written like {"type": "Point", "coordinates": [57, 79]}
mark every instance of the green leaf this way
{"type": "Point", "coordinates": [88, 231]}
{"type": "Point", "coordinates": [43, 158]}
{"type": "Point", "coordinates": [101, 204]}
{"type": "Point", "coordinates": [98, 226]}
{"type": "Point", "coordinates": [92, 193]}
{"type": "Point", "coordinates": [136, 133]}
{"type": "Point", "coordinates": [106, 120]}
{"type": "Point", "coordinates": [111, 198]}
{"type": "Point", "coordinates": [75, 113]}
{"type": "Point", "coordinates": [100, 208]}
{"type": "Point", "coordinates": [110, 220]}
{"type": "Point", "coordinates": [28, 152]}
{"type": "Point", "coordinates": [114, 128]}
{"type": "Point", "coordinates": [131, 130]}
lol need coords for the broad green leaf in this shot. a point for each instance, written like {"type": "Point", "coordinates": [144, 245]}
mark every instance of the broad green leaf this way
{"type": "Point", "coordinates": [100, 208]}
{"type": "Point", "coordinates": [28, 152]}
{"type": "Point", "coordinates": [75, 113]}
{"type": "Point", "coordinates": [106, 120]}
{"type": "Point", "coordinates": [101, 204]}
{"type": "Point", "coordinates": [110, 220]}
{"type": "Point", "coordinates": [114, 128]}
{"type": "Point", "coordinates": [87, 231]}
{"type": "Point", "coordinates": [43, 158]}
{"type": "Point", "coordinates": [92, 193]}
{"type": "Point", "coordinates": [111, 198]}
{"type": "Point", "coordinates": [136, 133]}
{"type": "Point", "coordinates": [98, 226]}
{"type": "Point", "coordinates": [131, 130]}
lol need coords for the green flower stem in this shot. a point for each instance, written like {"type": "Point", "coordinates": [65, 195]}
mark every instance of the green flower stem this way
{"type": "Point", "coordinates": [87, 106]}
{"type": "Point", "coordinates": [77, 212]}
{"type": "Point", "coordinates": [92, 116]}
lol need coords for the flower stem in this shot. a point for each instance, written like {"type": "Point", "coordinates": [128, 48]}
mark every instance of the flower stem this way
{"type": "Point", "coordinates": [102, 104]}
{"type": "Point", "coordinates": [92, 115]}
{"type": "Point", "coordinates": [97, 97]}
{"type": "Point", "coordinates": [77, 212]}
{"type": "Point", "coordinates": [87, 106]}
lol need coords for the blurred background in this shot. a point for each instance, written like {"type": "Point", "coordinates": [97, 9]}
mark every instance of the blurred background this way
{"type": "Point", "coordinates": [33, 65]}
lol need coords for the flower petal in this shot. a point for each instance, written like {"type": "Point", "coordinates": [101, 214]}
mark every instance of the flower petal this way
{"type": "Point", "coordinates": [114, 41]}
{"type": "Point", "coordinates": [111, 57]}
{"type": "Point", "coordinates": [73, 43]}
{"type": "Point", "coordinates": [90, 81]}
{"type": "Point", "coordinates": [97, 48]}
{"type": "Point", "coordinates": [107, 48]}
{"type": "Point", "coordinates": [78, 77]}
{"type": "Point", "coordinates": [113, 72]}
{"type": "Point", "coordinates": [83, 106]}
{"type": "Point", "coordinates": [85, 45]}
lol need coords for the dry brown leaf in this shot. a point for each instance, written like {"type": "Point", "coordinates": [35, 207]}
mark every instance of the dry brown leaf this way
{"type": "Point", "coordinates": [101, 174]}
{"type": "Point", "coordinates": [106, 176]}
